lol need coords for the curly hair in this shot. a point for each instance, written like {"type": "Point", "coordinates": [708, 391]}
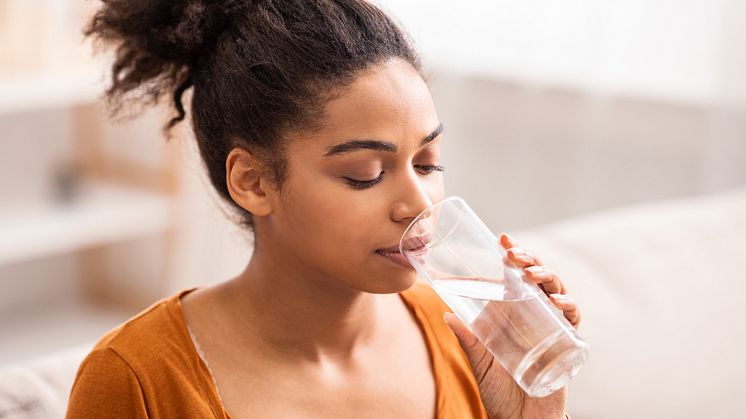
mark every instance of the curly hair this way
{"type": "Point", "coordinates": [257, 68]}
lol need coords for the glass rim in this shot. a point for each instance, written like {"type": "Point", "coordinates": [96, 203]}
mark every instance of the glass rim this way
{"type": "Point", "coordinates": [419, 217]}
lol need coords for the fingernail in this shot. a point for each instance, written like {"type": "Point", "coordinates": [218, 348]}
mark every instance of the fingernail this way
{"type": "Point", "coordinates": [517, 251]}
{"type": "Point", "coordinates": [535, 269]}
{"type": "Point", "coordinates": [449, 317]}
{"type": "Point", "coordinates": [561, 298]}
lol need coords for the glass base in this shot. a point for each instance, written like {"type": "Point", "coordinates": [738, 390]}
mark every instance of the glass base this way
{"type": "Point", "coordinates": [550, 365]}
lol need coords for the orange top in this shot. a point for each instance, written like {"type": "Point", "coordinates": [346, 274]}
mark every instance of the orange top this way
{"type": "Point", "coordinates": [149, 367]}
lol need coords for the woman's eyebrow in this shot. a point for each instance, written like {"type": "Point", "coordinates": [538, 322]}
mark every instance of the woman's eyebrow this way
{"type": "Point", "coordinates": [365, 144]}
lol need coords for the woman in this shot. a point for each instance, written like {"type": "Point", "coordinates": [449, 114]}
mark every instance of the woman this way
{"type": "Point", "coordinates": [315, 124]}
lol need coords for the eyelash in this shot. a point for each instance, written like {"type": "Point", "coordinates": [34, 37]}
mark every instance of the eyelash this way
{"type": "Point", "coordinates": [364, 184]}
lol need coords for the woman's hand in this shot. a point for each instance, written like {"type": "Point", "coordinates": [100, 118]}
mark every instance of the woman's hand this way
{"type": "Point", "coordinates": [501, 395]}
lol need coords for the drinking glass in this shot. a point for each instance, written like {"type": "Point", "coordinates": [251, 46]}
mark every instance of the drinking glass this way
{"type": "Point", "coordinates": [455, 252]}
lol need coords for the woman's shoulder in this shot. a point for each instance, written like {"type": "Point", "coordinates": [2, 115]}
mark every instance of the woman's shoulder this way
{"type": "Point", "coordinates": [158, 329]}
{"type": "Point", "coordinates": [149, 354]}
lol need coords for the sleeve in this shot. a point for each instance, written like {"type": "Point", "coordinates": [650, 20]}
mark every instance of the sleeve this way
{"type": "Point", "coordinates": [106, 387]}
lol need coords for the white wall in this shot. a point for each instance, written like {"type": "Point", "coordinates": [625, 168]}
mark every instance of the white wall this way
{"type": "Point", "coordinates": [659, 48]}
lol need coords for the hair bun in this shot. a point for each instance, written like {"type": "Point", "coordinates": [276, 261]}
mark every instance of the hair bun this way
{"type": "Point", "coordinates": [159, 42]}
{"type": "Point", "coordinates": [190, 28]}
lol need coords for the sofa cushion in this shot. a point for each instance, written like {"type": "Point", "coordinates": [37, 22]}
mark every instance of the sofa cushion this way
{"type": "Point", "coordinates": [660, 287]}
{"type": "Point", "coordinates": [40, 388]}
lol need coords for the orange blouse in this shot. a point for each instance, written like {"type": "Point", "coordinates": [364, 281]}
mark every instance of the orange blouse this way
{"type": "Point", "coordinates": [149, 367]}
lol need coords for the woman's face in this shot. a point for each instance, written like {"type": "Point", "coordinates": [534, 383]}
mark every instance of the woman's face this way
{"type": "Point", "coordinates": [354, 186]}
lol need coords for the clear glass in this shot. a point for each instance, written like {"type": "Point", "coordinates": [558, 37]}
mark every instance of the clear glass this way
{"type": "Point", "coordinates": [455, 252]}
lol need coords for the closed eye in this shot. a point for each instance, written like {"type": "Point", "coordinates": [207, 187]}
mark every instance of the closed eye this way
{"type": "Point", "coordinates": [429, 168]}
{"type": "Point", "coordinates": [363, 184]}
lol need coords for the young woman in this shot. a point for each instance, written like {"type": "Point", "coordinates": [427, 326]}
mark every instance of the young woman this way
{"type": "Point", "coordinates": [315, 124]}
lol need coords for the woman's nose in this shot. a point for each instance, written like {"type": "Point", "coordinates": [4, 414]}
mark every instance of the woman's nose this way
{"type": "Point", "coordinates": [413, 199]}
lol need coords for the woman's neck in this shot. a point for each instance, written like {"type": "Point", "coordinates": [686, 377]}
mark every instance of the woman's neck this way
{"type": "Point", "coordinates": [294, 311]}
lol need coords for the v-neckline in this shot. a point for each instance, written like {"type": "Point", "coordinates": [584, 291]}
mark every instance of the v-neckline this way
{"type": "Point", "coordinates": [210, 385]}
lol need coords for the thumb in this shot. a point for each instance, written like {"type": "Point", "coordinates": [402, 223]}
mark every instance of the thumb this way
{"type": "Point", "coordinates": [479, 358]}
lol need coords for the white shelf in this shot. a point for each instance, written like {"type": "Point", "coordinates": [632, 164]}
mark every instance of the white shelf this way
{"type": "Point", "coordinates": [103, 213]}
{"type": "Point", "coordinates": [51, 90]}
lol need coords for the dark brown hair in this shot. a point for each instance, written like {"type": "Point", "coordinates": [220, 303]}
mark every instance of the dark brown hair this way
{"type": "Point", "coordinates": [257, 68]}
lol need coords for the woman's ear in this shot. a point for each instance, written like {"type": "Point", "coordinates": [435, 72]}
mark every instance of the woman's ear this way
{"type": "Point", "coordinates": [247, 182]}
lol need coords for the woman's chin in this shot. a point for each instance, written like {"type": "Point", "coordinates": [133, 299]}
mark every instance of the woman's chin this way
{"type": "Point", "coordinates": [392, 284]}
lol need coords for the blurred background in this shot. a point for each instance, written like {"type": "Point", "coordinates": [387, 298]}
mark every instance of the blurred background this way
{"type": "Point", "coordinates": [554, 111]}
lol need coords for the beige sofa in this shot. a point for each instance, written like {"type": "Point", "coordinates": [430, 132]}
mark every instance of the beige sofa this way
{"type": "Point", "coordinates": [661, 287]}
{"type": "Point", "coordinates": [39, 389]}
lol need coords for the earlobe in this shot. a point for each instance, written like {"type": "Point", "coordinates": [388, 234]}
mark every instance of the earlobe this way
{"type": "Point", "coordinates": [246, 182]}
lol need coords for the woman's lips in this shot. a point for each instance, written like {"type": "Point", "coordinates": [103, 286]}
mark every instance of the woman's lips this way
{"type": "Point", "coordinates": [416, 244]}
{"type": "Point", "coordinates": [395, 257]}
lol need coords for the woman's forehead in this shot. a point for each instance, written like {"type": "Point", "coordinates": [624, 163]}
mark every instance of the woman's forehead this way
{"type": "Point", "coordinates": [390, 103]}
{"type": "Point", "coordinates": [391, 87]}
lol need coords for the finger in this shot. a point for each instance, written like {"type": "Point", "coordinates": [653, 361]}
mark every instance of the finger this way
{"type": "Point", "coordinates": [546, 278]}
{"type": "Point", "coordinates": [521, 257]}
{"type": "Point", "coordinates": [516, 255]}
{"type": "Point", "coordinates": [479, 358]}
{"type": "Point", "coordinates": [569, 308]}
{"type": "Point", "coordinates": [507, 241]}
